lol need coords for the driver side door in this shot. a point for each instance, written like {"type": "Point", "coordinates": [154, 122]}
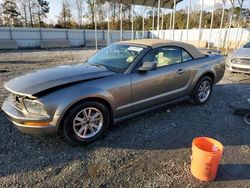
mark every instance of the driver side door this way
{"type": "Point", "coordinates": [155, 87]}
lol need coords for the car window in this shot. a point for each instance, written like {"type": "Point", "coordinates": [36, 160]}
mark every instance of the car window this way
{"type": "Point", "coordinates": [167, 56]}
{"type": "Point", "coordinates": [149, 57]}
{"type": "Point", "coordinates": [186, 56]}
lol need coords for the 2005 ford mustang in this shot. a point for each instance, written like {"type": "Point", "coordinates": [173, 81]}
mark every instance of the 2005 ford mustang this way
{"type": "Point", "coordinates": [122, 80]}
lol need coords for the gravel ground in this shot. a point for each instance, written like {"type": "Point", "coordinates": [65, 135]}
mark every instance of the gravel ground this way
{"type": "Point", "coordinates": [152, 150]}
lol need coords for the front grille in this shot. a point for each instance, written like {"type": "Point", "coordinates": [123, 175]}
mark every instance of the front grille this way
{"type": "Point", "coordinates": [241, 61]}
{"type": "Point", "coordinates": [241, 69]}
{"type": "Point", "coordinates": [16, 101]}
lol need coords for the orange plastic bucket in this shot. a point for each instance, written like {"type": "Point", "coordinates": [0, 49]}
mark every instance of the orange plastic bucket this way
{"type": "Point", "coordinates": [206, 155]}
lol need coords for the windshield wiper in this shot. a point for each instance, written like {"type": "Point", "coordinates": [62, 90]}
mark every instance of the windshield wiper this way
{"type": "Point", "coordinates": [105, 66]}
{"type": "Point", "coordinates": [97, 65]}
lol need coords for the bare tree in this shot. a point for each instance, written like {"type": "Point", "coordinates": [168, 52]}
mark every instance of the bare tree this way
{"type": "Point", "coordinates": [97, 9]}
{"type": "Point", "coordinates": [23, 7]}
{"type": "Point", "coordinates": [91, 10]}
{"type": "Point", "coordinates": [65, 17]}
{"type": "Point", "coordinates": [79, 7]}
{"type": "Point", "coordinates": [1, 13]}
{"type": "Point", "coordinates": [30, 6]}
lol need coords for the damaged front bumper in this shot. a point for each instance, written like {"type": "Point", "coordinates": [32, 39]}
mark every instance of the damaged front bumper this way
{"type": "Point", "coordinates": [29, 123]}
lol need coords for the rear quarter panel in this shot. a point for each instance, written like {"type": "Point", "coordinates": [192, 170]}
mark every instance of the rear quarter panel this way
{"type": "Point", "coordinates": [213, 64]}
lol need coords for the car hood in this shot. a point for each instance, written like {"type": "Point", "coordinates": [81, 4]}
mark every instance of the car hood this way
{"type": "Point", "coordinates": [45, 79]}
{"type": "Point", "coordinates": [241, 53]}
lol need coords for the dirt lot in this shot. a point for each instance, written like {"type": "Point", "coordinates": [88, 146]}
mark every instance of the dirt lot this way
{"type": "Point", "coordinates": [152, 150]}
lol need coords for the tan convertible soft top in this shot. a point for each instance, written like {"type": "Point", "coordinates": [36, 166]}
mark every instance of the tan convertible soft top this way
{"type": "Point", "coordinates": [150, 3]}
{"type": "Point", "coordinates": [155, 43]}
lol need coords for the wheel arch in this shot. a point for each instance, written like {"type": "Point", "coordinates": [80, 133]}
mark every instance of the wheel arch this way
{"type": "Point", "coordinates": [95, 99]}
{"type": "Point", "coordinates": [198, 78]}
{"type": "Point", "coordinates": [209, 74]}
{"type": "Point", "coordinates": [206, 74]}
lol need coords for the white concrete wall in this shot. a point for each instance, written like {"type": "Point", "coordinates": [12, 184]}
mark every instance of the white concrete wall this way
{"type": "Point", "coordinates": [31, 37]}
{"type": "Point", "coordinates": [193, 35]}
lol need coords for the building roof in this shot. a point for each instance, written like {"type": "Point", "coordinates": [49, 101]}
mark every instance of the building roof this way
{"type": "Point", "coordinates": [150, 3]}
{"type": "Point", "coordinates": [155, 43]}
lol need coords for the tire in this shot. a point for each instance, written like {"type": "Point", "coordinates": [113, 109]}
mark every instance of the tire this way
{"type": "Point", "coordinates": [197, 97]}
{"type": "Point", "coordinates": [77, 120]}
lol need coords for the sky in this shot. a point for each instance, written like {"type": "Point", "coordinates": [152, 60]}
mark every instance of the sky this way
{"type": "Point", "coordinates": [56, 5]}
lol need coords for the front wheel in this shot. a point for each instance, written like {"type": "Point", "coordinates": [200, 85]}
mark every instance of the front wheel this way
{"type": "Point", "coordinates": [86, 122]}
{"type": "Point", "coordinates": [203, 90]}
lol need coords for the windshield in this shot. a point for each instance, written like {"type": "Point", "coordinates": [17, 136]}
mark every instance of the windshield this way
{"type": "Point", "coordinates": [116, 57]}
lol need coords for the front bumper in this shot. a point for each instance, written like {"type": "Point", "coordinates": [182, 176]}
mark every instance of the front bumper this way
{"type": "Point", "coordinates": [19, 119]}
{"type": "Point", "coordinates": [238, 67]}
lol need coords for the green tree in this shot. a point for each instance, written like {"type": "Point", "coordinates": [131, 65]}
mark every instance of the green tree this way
{"type": "Point", "coordinates": [11, 13]}
{"type": "Point", "coordinates": [181, 20]}
{"type": "Point", "coordinates": [43, 10]}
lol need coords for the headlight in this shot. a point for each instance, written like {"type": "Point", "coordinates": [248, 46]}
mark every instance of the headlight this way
{"type": "Point", "coordinates": [34, 107]}
{"type": "Point", "coordinates": [235, 61]}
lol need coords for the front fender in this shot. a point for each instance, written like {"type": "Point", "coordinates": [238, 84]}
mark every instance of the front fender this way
{"type": "Point", "coordinates": [58, 102]}
{"type": "Point", "coordinates": [80, 94]}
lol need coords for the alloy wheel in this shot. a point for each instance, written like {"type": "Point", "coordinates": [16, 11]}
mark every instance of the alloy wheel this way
{"type": "Point", "coordinates": [88, 122]}
{"type": "Point", "coordinates": [204, 91]}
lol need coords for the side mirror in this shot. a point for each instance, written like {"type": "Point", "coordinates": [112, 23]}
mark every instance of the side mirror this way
{"type": "Point", "coordinates": [148, 66]}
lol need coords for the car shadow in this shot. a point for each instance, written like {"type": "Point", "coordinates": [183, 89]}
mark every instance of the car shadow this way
{"type": "Point", "coordinates": [164, 129]}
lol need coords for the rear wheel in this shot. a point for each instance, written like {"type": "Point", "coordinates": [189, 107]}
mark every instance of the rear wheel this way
{"type": "Point", "coordinates": [86, 122]}
{"type": "Point", "coordinates": [202, 90]}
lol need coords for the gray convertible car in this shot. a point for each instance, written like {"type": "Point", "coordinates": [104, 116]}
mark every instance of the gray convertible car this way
{"type": "Point", "coordinates": [120, 81]}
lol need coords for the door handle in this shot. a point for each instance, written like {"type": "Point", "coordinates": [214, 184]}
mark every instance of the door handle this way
{"type": "Point", "coordinates": [180, 71]}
